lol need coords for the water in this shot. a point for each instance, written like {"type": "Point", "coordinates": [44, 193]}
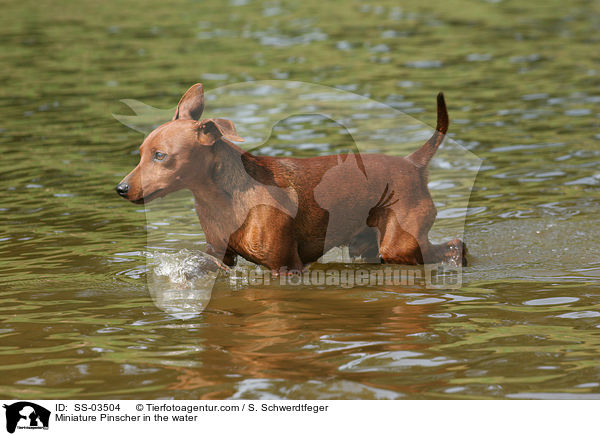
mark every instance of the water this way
{"type": "Point", "coordinates": [78, 319]}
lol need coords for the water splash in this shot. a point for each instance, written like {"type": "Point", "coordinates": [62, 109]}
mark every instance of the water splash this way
{"type": "Point", "coordinates": [181, 283]}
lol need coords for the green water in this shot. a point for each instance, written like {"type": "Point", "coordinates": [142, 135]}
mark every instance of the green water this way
{"type": "Point", "coordinates": [522, 81]}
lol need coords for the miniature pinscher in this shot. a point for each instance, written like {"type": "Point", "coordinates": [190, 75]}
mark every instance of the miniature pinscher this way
{"type": "Point", "coordinates": [278, 211]}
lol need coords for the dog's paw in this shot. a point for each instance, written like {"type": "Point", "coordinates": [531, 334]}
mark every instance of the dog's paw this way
{"type": "Point", "coordinates": [456, 254]}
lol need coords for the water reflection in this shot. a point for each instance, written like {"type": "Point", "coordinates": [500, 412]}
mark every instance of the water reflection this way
{"type": "Point", "coordinates": [308, 336]}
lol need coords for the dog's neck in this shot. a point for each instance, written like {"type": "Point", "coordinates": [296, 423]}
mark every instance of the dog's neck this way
{"type": "Point", "coordinates": [230, 175]}
{"type": "Point", "coordinates": [216, 194]}
{"type": "Point", "coordinates": [229, 178]}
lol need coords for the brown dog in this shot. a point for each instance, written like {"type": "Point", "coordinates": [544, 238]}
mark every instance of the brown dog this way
{"type": "Point", "coordinates": [284, 213]}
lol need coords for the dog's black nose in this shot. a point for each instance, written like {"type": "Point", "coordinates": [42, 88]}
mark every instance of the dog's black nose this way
{"type": "Point", "coordinates": [122, 189]}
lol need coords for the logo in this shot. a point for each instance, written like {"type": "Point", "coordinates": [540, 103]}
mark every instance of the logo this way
{"type": "Point", "coordinates": [26, 415]}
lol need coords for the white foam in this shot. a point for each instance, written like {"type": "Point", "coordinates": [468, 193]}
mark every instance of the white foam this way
{"type": "Point", "coordinates": [181, 283]}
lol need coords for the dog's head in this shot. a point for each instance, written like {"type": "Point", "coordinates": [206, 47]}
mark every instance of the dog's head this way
{"type": "Point", "coordinates": [177, 154]}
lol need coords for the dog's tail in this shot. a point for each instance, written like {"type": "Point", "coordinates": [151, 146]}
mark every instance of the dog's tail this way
{"type": "Point", "coordinates": [423, 155]}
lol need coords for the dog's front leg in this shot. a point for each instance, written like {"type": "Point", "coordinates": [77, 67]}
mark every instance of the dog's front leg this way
{"type": "Point", "coordinates": [227, 256]}
{"type": "Point", "coordinates": [268, 238]}
{"type": "Point", "coordinates": [220, 251]}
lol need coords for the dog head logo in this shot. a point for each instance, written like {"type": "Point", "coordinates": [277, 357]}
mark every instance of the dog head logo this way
{"type": "Point", "coordinates": [26, 415]}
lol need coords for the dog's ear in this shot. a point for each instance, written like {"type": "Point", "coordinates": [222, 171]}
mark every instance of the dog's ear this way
{"type": "Point", "coordinates": [191, 105]}
{"type": "Point", "coordinates": [211, 130]}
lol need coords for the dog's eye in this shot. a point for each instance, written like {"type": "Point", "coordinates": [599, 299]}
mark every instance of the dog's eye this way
{"type": "Point", "coordinates": [159, 156]}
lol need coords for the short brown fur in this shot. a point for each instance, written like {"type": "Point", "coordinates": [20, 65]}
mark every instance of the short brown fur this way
{"type": "Point", "coordinates": [277, 211]}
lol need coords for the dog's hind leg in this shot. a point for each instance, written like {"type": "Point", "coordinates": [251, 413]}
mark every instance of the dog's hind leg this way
{"type": "Point", "coordinates": [399, 246]}
{"type": "Point", "coordinates": [365, 245]}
